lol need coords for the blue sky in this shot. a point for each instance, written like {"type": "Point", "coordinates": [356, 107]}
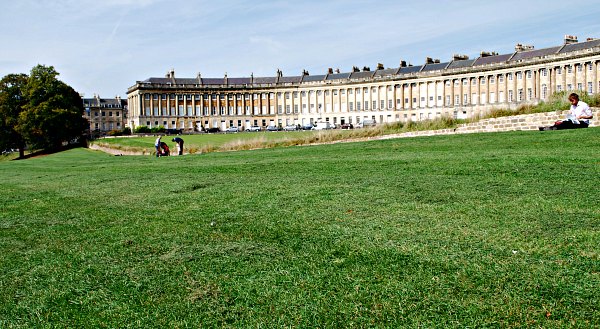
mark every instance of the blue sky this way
{"type": "Point", "coordinates": [105, 46]}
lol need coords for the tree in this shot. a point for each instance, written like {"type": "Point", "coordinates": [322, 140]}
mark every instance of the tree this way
{"type": "Point", "coordinates": [53, 114]}
{"type": "Point", "coordinates": [12, 103]}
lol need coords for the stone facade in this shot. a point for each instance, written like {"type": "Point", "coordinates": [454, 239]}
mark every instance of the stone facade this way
{"type": "Point", "coordinates": [461, 88]}
{"type": "Point", "coordinates": [105, 114]}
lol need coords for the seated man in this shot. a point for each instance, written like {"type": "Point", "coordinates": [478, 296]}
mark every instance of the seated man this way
{"type": "Point", "coordinates": [579, 116]}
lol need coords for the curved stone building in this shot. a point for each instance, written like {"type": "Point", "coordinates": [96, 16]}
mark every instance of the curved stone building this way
{"type": "Point", "coordinates": [459, 88]}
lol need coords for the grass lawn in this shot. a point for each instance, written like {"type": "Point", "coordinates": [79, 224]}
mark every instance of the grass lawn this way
{"type": "Point", "coordinates": [478, 230]}
{"type": "Point", "coordinates": [208, 142]}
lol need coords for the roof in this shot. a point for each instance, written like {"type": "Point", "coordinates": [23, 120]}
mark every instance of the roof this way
{"type": "Point", "coordinates": [338, 76]}
{"type": "Point", "coordinates": [265, 80]}
{"type": "Point", "coordinates": [580, 46]}
{"type": "Point", "coordinates": [535, 53]}
{"type": "Point", "coordinates": [213, 81]}
{"type": "Point", "coordinates": [435, 67]}
{"type": "Point", "coordinates": [461, 63]}
{"type": "Point", "coordinates": [294, 79]}
{"type": "Point", "coordinates": [410, 69]}
{"type": "Point", "coordinates": [492, 59]}
{"type": "Point", "coordinates": [386, 72]}
{"type": "Point", "coordinates": [313, 78]}
{"type": "Point", "coordinates": [361, 75]}
{"type": "Point", "coordinates": [239, 81]}
{"type": "Point", "coordinates": [106, 101]}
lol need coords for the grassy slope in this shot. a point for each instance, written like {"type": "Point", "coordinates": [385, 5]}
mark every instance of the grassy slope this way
{"type": "Point", "coordinates": [453, 231]}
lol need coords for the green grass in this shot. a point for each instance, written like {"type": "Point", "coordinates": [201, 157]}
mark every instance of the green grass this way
{"type": "Point", "coordinates": [205, 143]}
{"type": "Point", "coordinates": [478, 230]}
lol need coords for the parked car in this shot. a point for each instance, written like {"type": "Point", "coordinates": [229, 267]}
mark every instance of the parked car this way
{"type": "Point", "coordinates": [213, 130]}
{"type": "Point", "coordinates": [324, 126]}
{"type": "Point", "coordinates": [368, 123]}
{"type": "Point", "coordinates": [308, 126]}
{"type": "Point", "coordinates": [232, 129]}
{"type": "Point", "coordinates": [290, 128]}
{"type": "Point", "coordinates": [272, 128]}
{"type": "Point", "coordinates": [173, 131]}
{"type": "Point", "coordinates": [347, 126]}
{"type": "Point", "coordinates": [253, 128]}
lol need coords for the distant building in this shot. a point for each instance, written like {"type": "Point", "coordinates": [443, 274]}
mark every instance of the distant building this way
{"type": "Point", "coordinates": [459, 88]}
{"type": "Point", "coordinates": [105, 114]}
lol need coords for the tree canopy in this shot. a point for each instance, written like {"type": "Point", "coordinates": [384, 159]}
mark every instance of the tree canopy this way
{"type": "Point", "coordinates": [12, 103]}
{"type": "Point", "coordinates": [39, 111]}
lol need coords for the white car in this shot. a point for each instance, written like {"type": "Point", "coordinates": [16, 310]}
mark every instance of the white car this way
{"type": "Point", "coordinates": [232, 129]}
{"type": "Point", "coordinates": [290, 128]}
{"type": "Point", "coordinates": [254, 128]}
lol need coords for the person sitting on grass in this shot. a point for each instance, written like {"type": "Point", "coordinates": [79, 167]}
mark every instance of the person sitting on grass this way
{"type": "Point", "coordinates": [579, 116]}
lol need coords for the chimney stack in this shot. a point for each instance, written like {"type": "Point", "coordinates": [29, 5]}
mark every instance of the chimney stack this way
{"type": "Point", "coordinates": [570, 39]}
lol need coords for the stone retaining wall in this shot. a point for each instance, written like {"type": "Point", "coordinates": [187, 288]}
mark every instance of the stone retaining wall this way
{"type": "Point", "coordinates": [521, 122]}
{"type": "Point", "coordinates": [513, 123]}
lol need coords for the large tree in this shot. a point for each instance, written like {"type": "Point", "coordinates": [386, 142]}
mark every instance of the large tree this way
{"type": "Point", "coordinates": [39, 111]}
{"type": "Point", "coordinates": [12, 103]}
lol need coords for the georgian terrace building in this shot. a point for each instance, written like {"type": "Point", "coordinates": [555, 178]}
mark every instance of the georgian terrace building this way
{"type": "Point", "coordinates": [459, 88]}
{"type": "Point", "coordinates": [105, 114]}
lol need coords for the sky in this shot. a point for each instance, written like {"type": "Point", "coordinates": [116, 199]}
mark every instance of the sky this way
{"type": "Point", "coordinates": [104, 46]}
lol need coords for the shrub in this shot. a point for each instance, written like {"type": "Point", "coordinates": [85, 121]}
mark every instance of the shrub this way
{"type": "Point", "coordinates": [157, 130]}
{"type": "Point", "coordinates": [114, 132]}
{"type": "Point", "coordinates": [126, 131]}
{"type": "Point", "coordinates": [142, 130]}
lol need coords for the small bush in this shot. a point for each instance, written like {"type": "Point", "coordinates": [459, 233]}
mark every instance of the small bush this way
{"type": "Point", "coordinates": [157, 130]}
{"type": "Point", "coordinates": [142, 130]}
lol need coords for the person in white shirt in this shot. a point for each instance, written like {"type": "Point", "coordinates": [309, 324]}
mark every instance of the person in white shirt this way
{"type": "Point", "coordinates": [579, 116]}
{"type": "Point", "coordinates": [157, 146]}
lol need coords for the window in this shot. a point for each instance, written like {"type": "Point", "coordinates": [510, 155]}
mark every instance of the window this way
{"type": "Point", "coordinates": [163, 96]}
{"type": "Point", "coordinates": [501, 79]}
{"type": "Point", "coordinates": [519, 75]}
{"type": "Point", "coordinates": [544, 91]}
{"type": "Point", "coordinates": [569, 69]}
{"type": "Point", "coordinates": [520, 94]}
{"type": "Point", "coordinates": [510, 96]}
{"type": "Point", "coordinates": [492, 80]}
{"type": "Point", "coordinates": [579, 67]}
{"type": "Point", "coordinates": [351, 106]}
{"type": "Point", "coordinates": [529, 93]}
{"type": "Point", "coordinates": [559, 70]}
{"type": "Point", "coordinates": [509, 76]}
{"type": "Point", "coordinates": [590, 88]}
{"type": "Point", "coordinates": [579, 86]}
{"type": "Point", "coordinates": [544, 72]}
{"type": "Point", "coordinates": [482, 81]}
{"type": "Point", "coordinates": [528, 74]}
{"type": "Point", "coordinates": [366, 105]}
